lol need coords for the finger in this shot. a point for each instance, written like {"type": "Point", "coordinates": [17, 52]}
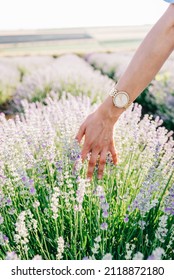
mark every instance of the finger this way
{"type": "Point", "coordinates": [84, 152]}
{"type": "Point", "coordinates": [80, 133]}
{"type": "Point", "coordinates": [102, 163]}
{"type": "Point", "coordinates": [86, 148]}
{"type": "Point", "coordinates": [92, 163]}
{"type": "Point", "coordinates": [114, 154]}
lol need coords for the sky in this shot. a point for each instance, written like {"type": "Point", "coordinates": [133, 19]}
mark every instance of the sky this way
{"type": "Point", "coordinates": [38, 14]}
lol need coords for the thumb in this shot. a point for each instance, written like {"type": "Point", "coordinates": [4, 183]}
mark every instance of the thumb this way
{"type": "Point", "coordinates": [80, 133]}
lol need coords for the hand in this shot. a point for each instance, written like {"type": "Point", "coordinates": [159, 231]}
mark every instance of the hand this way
{"type": "Point", "coordinates": [98, 130]}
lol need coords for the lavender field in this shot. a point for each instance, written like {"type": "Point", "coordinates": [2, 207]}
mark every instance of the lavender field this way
{"type": "Point", "coordinates": [48, 208]}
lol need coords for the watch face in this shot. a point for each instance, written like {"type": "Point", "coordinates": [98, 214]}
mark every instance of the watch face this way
{"type": "Point", "coordinates": [121, 99]}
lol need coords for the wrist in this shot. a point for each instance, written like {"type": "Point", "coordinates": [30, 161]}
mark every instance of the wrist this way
{"type": "Point", "coordinates": [109, 111]}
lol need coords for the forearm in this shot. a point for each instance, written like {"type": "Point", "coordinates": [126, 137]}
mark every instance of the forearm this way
{"type": "Point", "coordinates": [147, 61]}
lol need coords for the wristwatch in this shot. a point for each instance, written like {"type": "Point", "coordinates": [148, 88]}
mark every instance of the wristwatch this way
{"type": "Point", "coordinates": [121, 99]}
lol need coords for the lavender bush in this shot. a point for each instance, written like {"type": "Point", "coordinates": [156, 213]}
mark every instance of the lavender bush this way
{"type": "Point", "coordinates": [26, 64]}
{"type": "Point", "coordinates": [162, 91]}
{"type": "Point", "coordinates": [13, 70]}
{"type": "Point", "coordinates": [68, 73]}
{"type": "Point", "coordinates": [49, 210]}
{"type": "Point", "coordinates": [111, 64]}
{"type": "Point", "coordinates": [9, 78]}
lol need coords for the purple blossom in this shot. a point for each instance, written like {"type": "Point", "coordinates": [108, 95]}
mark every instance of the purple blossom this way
{"type": "Point", "coordinates": [126, 219]}
{"type": "Point", "coordinates": [169, 202]}
{"type": "Point", "coordinates": [104, 226]}
{"type": "Point", "coordinates": [85, 258]}
{"type": "Point", "coordinates": [9, 202]}
{"type": "Point", "coordinates": [6, 239]}
{"type": "Point", "coordinates": [151, 258]}
{"type": "Point", "coordinates": [102, 198]}
{"type": "Point", "coordinates": [24, 179]}
{"type": "Point", "coordinates": [103, 204]}
{"type": "Point", "coordinates": [105, 214]}
{"type": "Point", "coordinates": [32, 190]}
{"type": "Point", "coordinates": [31, 182]}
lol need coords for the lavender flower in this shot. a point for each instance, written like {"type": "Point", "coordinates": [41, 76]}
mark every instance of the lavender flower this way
{"type": "Point", "coordinates": [162, 230]}
{"type": "Point", "coordinates": [169, 202]}
{"type": "Point", "coordinates": [32, 191]}
{"type": "Point", "coordinates": [126, 219]}
{"type": "Point", "coordinates": [107, 257]}
{"type": "Point", "coordinates": [21, 236]}
{"type": "Point", "coordinates": [85, 259]}
{"type": "Point", "coordinates": [37, 258]}
{"type": "Point", "coordinates": [11, 256]}
{"type": "Point", "coordinates": [105, 214]}
{"type": "Point", "coordinates": [157, 254]}
{"type": "Point", "coordinates": [80, 193]}
{"type": "Point", "coordinates": [104, 226]}
{"type": "Point", "coordinates": [55, 202]}
{"type": "Point", "coordinates": [138, 256]}
{"type": "Point", "coordinates": [60, 249]}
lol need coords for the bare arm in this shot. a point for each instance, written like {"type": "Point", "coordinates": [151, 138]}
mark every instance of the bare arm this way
{"type": "Point", "coordinates": [147, 61]}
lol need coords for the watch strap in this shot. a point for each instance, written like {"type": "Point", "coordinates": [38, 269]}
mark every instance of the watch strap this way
{"type": "Point", "coordinates": [113, 92]}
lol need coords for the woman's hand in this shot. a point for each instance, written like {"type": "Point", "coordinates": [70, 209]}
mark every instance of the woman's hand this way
{"type": "Point", "coordinates": [98, 130]}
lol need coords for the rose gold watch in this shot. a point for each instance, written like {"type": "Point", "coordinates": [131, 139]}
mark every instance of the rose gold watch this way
{"type": "Point", "coordinates": [121, 99]}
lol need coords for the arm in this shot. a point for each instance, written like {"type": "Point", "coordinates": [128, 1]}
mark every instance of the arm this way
{"type": "Point", "coordinates": [147, 61]}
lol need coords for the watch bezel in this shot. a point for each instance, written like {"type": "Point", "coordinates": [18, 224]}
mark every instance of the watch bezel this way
{"type": "Point", "coordinates": [116, 95]}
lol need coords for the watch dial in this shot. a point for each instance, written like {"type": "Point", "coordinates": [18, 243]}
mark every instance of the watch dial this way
{"type": "Point", "coordinates": [121, 99]}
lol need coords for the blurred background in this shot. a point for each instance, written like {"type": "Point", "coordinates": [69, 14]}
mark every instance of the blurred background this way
{"type": "Point", "coordinates": [54, 26]}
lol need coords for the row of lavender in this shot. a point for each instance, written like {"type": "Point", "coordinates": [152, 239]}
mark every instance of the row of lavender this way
{"type": "Point", "coordinates": [33, 78]}
{"type": "Point", "coordinates": [47, 208]}
{"type": "Point", "coordinates": [157, 98]}
{"type": "Point", "coordinates": [13, 70]}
